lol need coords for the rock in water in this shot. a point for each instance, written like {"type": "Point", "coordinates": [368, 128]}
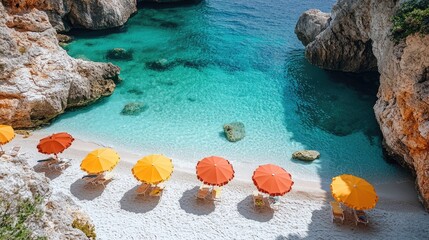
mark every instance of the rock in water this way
{"type": "Point", "coordinates": [234, 131]}
{"type": "Point", "coordinates": [310, 24]}
{"type": "Point", "coordinates": [306, 155]}
{"type": "Point", "coordinates": [134, 108]}
{"type": "Point", "coordinates": [38, 79]}
{"type": "Point", "coordinates": [119, 54]}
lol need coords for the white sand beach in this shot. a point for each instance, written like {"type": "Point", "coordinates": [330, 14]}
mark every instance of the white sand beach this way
{"type": "Point", "coordinates": [304, 213]}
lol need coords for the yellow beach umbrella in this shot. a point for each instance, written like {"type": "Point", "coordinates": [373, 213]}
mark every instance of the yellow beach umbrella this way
{"type": "Point", "coordinates": [153, 169]}
{"type": "Point", "coordinates": [6, 134]}
{"type": "Point", "coordinates": [354, 192]}
{"type": "Point", "coordinates": [100, 160]}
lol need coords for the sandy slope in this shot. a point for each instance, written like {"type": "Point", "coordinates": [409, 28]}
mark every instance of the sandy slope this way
{"type": "Point", "coordinates": [119, 214]}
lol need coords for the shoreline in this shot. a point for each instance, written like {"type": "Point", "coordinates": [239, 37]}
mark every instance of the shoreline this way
{"type": "Point", "coordinates": [304, 212]}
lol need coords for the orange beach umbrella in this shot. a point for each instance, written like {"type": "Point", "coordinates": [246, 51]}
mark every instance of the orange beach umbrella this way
{"type": "Point", "coordinates": [6, 134]}
{"type": "Point", "coordinates": [354, 192]}
{"type": "Point", "coordinates": [272, 179]}
{"type": "Point", "coordinates": [100, 160]}
{"type": "Point", "coordinates": [215, 171]}
{"type": "Point", "coordinates": [55, 143]}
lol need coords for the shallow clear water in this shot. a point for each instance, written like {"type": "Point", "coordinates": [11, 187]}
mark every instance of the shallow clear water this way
{"type": "Point", "coordinates": [231, 61]}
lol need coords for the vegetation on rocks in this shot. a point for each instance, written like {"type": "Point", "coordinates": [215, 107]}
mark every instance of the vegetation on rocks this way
{"type": "Point", "coordinates": [85, 227]}
{"type": "Point", "coordinates": [412, 17]}
{"type": "Point", "coordinates": [13, 220]}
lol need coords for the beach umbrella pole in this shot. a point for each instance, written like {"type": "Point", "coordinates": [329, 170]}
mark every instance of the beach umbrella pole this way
{"type": "Point", "coordinates": [1, 148]}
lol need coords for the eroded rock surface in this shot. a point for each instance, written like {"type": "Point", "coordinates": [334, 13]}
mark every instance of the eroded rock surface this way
{"type": "Point", "coordinates": [18, 182]}
{"type": "Point", "coordinates": [90, 14]}
{"type": "Point", "coordinates": [357, 39]}
{"type": "Point", "coordinates": [38, 79]}
{"type": "Point", "coordinates": [310, 24]}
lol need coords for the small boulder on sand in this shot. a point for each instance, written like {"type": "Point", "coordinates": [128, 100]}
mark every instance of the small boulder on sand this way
{"type": "Point", "coordinates": [234, 131]}
{"type": "Point", "coordinates": [306, 155]}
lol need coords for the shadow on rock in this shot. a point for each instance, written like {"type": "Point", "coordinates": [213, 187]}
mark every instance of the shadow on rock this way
{"type": "Point", "coordinates": [191, 204]}
{"type": "Point", "coordinates": [246, 208]}
{"type": "Point", "coordinates": [86, 191]}
{"type": "Point", "coordinates": [133, 202]}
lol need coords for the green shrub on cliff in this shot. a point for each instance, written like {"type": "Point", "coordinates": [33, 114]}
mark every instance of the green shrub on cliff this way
{"type": "Point", "coordinates": [412, 17]}
{"type": "Point", "coordinates": [13, 221]}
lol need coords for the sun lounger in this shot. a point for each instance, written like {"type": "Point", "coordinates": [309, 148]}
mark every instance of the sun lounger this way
{"type": "Point", "coordinates": [15, 150]}
{"type": "Point", "coordinates": [360, 217]}
{"type": "Point", "coordinates": [274, 202]}
{"type": "Point", "coordinates": [143, 189]}
{"type": "Point", "coordinates": [157, 191]}
{"type": "Point", "coordinates": [103, 179]}
{"type": "Point", "coordinates": [89, 178]}
{"type": "Point", "coordinates": [337, 211]}
{"type": "Point", "coordinates": [216, 193]}
{"type": "Point", "coordinates": [258, 199]}
{"type": "Point", "coordinates": [1, 153]}
{"type": "Point", "coordinates": [203, 192]}
{"type": "Point", "coordinates": [61, 164]}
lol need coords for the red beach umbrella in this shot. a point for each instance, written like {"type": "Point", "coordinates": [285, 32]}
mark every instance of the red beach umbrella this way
{"type": "Point", "coordinates": [272, 179]}
{"type": "Point", "coordinates": [56, 143]}
{"type": "Point", "coordinates": [215, 171]}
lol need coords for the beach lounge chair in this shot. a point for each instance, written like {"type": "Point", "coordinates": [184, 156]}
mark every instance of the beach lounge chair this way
{"type": "Point", "coordinates": [157, 191]}
{"type": "Point", "coordinates": [60, 164]}
{"type": "Point", "coordinates": [15, 150]}
{"type": "Point", "coordinates": [360, 217]}
{"type": "Point", "coordinates": [143, 189]}
{"type": "Point", "coordinates": [203, 192]}
{"type": "Point", "coordinates": [216, 193]}
{"type": "Point", "coordinates": [337, 211]}
{"type": "Point", "coordinates": [274, 202]}
{"type": "Point", "coordinates": [103, 178]}
{"type": "Point", "coordinates": [258, 199]}
{"type": "Point", "coordinates": [89, 178]}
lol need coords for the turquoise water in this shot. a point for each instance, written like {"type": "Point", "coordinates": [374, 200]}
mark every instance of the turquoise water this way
{"type": "Point", "coordinates": [230, 61]}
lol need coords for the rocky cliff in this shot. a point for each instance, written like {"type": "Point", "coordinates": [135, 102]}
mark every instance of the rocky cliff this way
{"type": "Point", "coordinates": [38, 79]}
{"type": "Point", "coordinates": [29, 209]}
{"type": "Point", "coordinates": [89, 14]}
{"type": "Point", "coordinates": [358, 39]}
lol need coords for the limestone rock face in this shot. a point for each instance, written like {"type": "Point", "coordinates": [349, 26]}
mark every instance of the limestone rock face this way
{"type": "Point", "coordinates": [310, 24]}
{"type": "Point", "coordinates": [345, 45]}
{"type": "Point", "coordinates": [402, 108]}
{"type": "Point", "coordinates": [90, 14]}
{"type": "Point", "coordinates": [18, 182]}
{"type": "Point", "coordinates": [38, 79]}
{"type": "Point", "coordinates": [306, 155]}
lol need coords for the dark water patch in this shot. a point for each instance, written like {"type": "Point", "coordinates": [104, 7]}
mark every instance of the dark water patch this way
{"type": "Point", "coordinates": [165, 65]}
{"type": "Point", "coordinates": [89, 44]}
{"type": "Point", "coordinates": [163, 5]}
{"type": "Point", "coordinates": [90, 34]}
{"type": "Point", "coordinates": [135, 91]}
{"type": "Point", "coordinates": [169, 25]}
{"type": "Point", "coordinates": [335, 102]}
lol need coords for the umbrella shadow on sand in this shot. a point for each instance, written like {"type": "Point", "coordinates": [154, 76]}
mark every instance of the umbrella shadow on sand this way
{"type": "Point", "coordinates": [132, 202]}
{"type": "Point", "coordinates": [86, 191]}
{"type": "Point", "coordinates": [191, 204]}
{"type": "Point", "coordinates": [49, 173]}
{"type": "Point", "coordinates": [247, 210]}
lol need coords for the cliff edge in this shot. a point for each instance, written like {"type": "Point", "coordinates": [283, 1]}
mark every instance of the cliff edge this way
{"type": "Point", "coordinates": [357, 39]}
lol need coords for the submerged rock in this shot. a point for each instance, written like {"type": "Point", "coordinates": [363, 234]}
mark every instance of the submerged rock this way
{"type": "Point", "coordinates": [306, 155]}
{"type": "Point", "coordinates": [38, 79]}
{"type": "Point", "coordinates": [234, 131]}
{"type": "Point", "coordinates": [133, 108]}
{"type": "Point", "coordinates": [119, 54]}
{"type": "Point", "coordinates": [160, 65]}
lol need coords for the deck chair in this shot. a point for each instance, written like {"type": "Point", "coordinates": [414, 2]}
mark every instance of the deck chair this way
{"type": "Point", "coordinates": [274, 202]}
{"type": "Point", "coordinates": [89, 178]}
{"type": "Point", "coordinates": [60, 164]}
{"type": "Point", "coordinates": [15, 150]}
{"type": "Point", "coordinates": [360, 217]}
{"type": "Point", "coordinates": [216, 193]}
{"type": "Point", "coordinates": [143, 189]}
{"type": "Point", "coordinates": [103, 179]}
{"type": "Point", "coordinates": [258, 199]}
{"type": "Point", "coordinates": [157, 191]}
{"type": "Point", "coordinates": [203, 192]}
{"type": "Point", "coordinates": [337, 211]}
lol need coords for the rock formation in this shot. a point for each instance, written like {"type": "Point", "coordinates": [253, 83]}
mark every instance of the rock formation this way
{"type": "Point", "coordinates": [38, 79]}
{"type": "Point", "coordinates": [306, 155]}
{"type": "Point", "coordinates": [90, 14]}
{"type": "Point", "coordinates": [53, 214]}
{"type": "Point", "coordinates": [234, 131]}
{"type": "Point", "coordinates": [310, 24]}
{"type": "Point", "coordinates": [358, 39]}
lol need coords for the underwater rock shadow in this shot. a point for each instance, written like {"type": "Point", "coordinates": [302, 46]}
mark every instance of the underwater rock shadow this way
{"type": "Point", "coordinates": [133, 202]}
{"type": "Point", "coordinates": [190, 204]}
